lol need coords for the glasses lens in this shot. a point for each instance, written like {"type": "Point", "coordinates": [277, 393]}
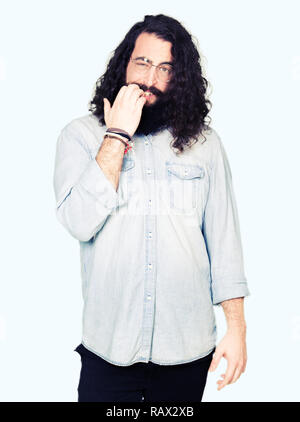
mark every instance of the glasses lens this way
{"type": "Point", "coordinates": [164, 72]}
{"type": "Point", "coordinates": [141, 66]}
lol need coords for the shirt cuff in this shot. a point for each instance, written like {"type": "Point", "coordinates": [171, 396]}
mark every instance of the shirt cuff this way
{"type": "Point", "coordinates": [229, 289]}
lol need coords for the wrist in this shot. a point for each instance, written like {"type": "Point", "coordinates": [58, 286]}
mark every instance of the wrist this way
{"type": "Point", "coordinates": [236, 327]}
{"type": "Point", "coordinates": [122, 136]}
{"type": "Point", "coordinates": [115, 144]}
{"type": "Point", "coordinates": [116, 137]}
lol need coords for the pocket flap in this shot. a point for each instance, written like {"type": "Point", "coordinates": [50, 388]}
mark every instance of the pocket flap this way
{"type": "Point", "coordinates": [185, 171]}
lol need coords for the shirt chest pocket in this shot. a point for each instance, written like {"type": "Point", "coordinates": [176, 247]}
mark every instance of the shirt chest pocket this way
{"type": "Point", "coordinates": [185, 184]}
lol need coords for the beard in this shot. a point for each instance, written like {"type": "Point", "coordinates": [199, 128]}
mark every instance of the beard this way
{"type": "Point", "coordinates": [154, 116]}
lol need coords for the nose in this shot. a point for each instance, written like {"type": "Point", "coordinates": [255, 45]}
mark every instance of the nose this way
{"type": "Point", "coordinates": [150, 78]}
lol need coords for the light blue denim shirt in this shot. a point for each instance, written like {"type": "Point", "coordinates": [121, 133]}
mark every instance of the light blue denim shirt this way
{"type": "Point", "coordinates": [156, 254]}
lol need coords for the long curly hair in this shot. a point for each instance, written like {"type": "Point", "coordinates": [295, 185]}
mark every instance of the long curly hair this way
{"type": "Point", "coordinates": [188, 107]}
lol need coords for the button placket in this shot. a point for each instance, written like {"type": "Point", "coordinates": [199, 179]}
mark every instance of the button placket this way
{"type": "Point", "coordinates": [150, 256]}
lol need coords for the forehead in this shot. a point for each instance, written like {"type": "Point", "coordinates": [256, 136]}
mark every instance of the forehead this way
{"type": "Point", "coordinates": [155, 49]}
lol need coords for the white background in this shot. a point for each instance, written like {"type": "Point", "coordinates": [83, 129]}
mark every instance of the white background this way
{"type": "Point", "coordinates": [51, 54]}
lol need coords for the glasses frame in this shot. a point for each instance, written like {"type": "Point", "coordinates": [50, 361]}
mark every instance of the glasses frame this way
{"type": "Point", "coordinates": [148, 61]}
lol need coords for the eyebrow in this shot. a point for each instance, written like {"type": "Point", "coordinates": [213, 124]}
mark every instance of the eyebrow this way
{"type": "Point", "coordinates": [142, 57]}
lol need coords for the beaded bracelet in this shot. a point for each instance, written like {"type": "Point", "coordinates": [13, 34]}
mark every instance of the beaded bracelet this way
{"type": "Point", "coordinates": [128, 145]}
{"type": "Point", "coordinates": [121, 134]}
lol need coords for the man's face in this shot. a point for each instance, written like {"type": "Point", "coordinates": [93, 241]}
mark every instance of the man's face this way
{"type": "Point", "coordinates": [156, 50]}
{"type": "Point", "coordinates": [153, 118]}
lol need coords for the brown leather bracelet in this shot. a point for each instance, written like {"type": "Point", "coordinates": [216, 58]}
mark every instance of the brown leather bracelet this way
{"type": "Point", "coordinates": [118, 130]}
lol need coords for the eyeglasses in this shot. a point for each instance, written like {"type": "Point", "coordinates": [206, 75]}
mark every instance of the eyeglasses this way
{"type": "Point", "coordinates": [143, 65]}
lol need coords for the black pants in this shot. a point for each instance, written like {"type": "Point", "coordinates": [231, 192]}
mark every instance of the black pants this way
{"type": "Point", "coordinates": [101, 381]}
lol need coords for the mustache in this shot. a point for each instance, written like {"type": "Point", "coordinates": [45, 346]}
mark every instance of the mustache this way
{"type": "Point", "coordinates": [152, 89]}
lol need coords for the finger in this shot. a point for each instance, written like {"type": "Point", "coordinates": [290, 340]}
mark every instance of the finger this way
{"type": "Point", "coordinates": [121, 93]}
{"type": "Point", "coordinates": [141, 101]}
{"type": "Point", "coordinates": [133, 85]}
{"type": "Point", "coordinates": [215, 360]}
{"type": "Point", "coordinates": [106, 105]}
{"type": "Point", "coordinates": [244, 365]}
{"type": "Point", "coordinates": [228, 377]}
{"type": "Point", "coordinates": [132, 88]}
{"type": "Point", "coordinates": [236, 375]}
{"type": "Point", "coordinates": [106, 109]}
{"type": "Point", "coordinates": [222, 376]}
{"type": "Point", "coordinates": [135, 93]}
{"type": "Point", "coordinates": [129, 94]}
{"type": "Point", "coordinates": [226, 380]}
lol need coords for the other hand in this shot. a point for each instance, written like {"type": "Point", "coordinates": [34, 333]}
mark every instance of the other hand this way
{"type": "Point", "coordinates": [233, 348]}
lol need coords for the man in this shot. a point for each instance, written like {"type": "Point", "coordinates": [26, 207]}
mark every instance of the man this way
{"type": "Point", "coordinates": [158, 225]}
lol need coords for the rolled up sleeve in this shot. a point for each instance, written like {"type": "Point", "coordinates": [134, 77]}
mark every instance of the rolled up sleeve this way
{"type": "Point", "coordinates": [221, 231]}
{"type": "Point", "coordinates": [84, 195]}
